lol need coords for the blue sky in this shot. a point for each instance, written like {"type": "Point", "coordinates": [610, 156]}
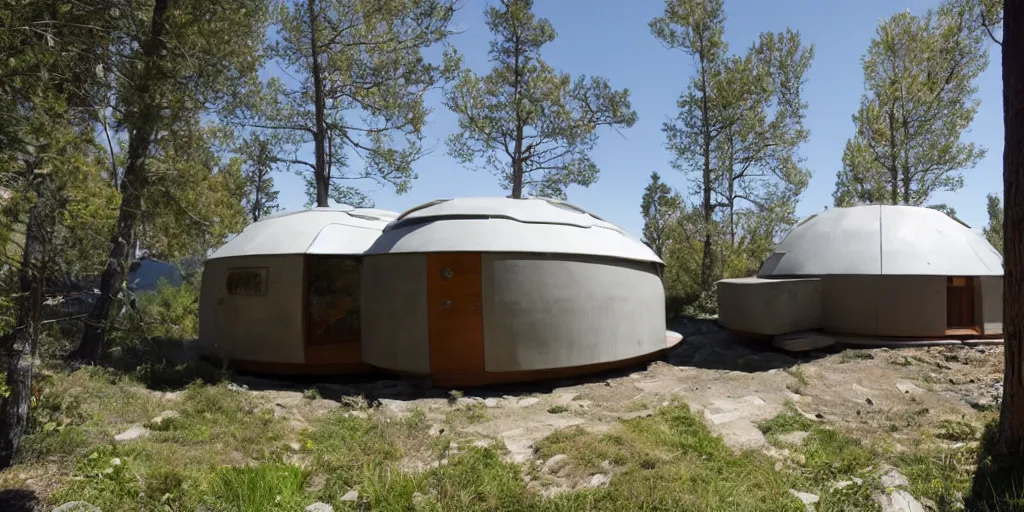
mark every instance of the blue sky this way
{"type": "Point", "coordinates": [611, 38]}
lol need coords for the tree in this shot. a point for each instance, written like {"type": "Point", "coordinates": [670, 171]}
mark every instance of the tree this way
{"type": "Point", "coordinates": [760, 100]}
{"type": "Point", "coordinates": [918, 72]}
{"type": "Point", "coordinates": [994, 230]}
{"type": "Point", "coordinates": [47, 55]}
{"type": "Point", "coordinates": [260, 197]}
{"type": "Point", "coordinates": [192, 55]}
{"type": "Point", "coordinates": [861, 180]}
{"type": "Point", "coordinates": [358, 78]}
{"type": "Point", "coordinates": [659, 207]}
{"type": "Point", "coordinates": [530, 125]}
{"type": "Point", "coordinates": [739, 125]}
{"type": "Point", "coordinates": [1011, 417]}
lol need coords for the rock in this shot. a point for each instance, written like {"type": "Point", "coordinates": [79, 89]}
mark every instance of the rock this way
{"type": "Point", "coordinates": [806, 498]}
{"type": "Point", "coordinates": [981, 403]}
{"type": "Point", "coordinates": [599, 480]}
{"type": "Point", "coordinates": [606, 465]}
{"type": "Point", "coordinates": [796, 438]}
{"type": "Point", "coordinates": [316, 483]}
{"type": "Point", "coordinates": [724, 411]}
{"type": "Point", "coordinates": [357, 414]}
{"type": "Point", "coordinates": [235, 387]}
{"type": "Point", "coordinates": [565, 398]}
{"type": "Point", "coordinates": [869, 401]}
{"type": "Point", "coordinates": [894, 479]}
{"type": "Point", "coordinates": [166, 415]}
{"type": "Point", "coordinates": [556, 463]}
{"type": "Point", "coordinates": [483, 443]}
{"type": "Point", "coordinates": [528, 402]}
{"type": "Point", "coordinates": [802, 341]}
{"type": "Point", "coordinates": [490, 402]}
{"type": "Point", "coordinates": [77, 506]}
{"type": "Point", "coordinates": [295, 446]}
{"type": "Point", "coordinates": [134, 432]}
{"type": "Point", "coordinates": [352, 495]}
{"type": "Point", "coordinates": [899, 501]}
{"type": "Point", "coordinates": [435, 430]}
{"type": "Point", "coordinates": [319, 507]}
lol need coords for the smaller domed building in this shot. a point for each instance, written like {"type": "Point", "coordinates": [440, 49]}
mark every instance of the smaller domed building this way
{"type": "Point", "coordinates": [879, 271]}
{"type": "Point", "coordinates": [283, 296]}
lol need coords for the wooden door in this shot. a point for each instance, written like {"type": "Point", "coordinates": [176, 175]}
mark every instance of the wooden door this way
{"type": "Point", "coordinates": [960, 311]}
{"type": "Point", "coordinates": [455, 314]}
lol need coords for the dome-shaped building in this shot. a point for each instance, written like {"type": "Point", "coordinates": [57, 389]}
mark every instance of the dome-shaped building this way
{"type": "Point", "coordinates": [878, 270]}
{"type": "Point", "coordinates": [475, 291]}
{"type": "Point", "coordinates": [283, 295]}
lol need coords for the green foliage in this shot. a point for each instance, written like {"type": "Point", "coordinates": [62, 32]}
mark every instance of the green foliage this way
{"type": "Point", "coordinates": [259, 488]}
{"type": "Point", "coordinates": [259, 197]}
{"type": "Point", "coordinates": [736, 137]}
{"type": "Point", "coordinates": [659, 207]}
{"type": "Point", "coordinates": [994, 230]}
{"type": "Point", "coordinates": [530, 125]}
{"type": "Point", "coordinates": [790, 420]}
{"type": "Point", "coordinates": [919, 73]}
{"type": "Point", "coordinates": [169, 312]}
{"type": "Point", "coordinates": [193, 200]}
{"type": "Point", "coordinates": [359, 79]}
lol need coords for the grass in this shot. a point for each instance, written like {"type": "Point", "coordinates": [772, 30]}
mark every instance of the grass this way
{"type": "Point", "coordinates": [801, 379]}
{"type": "Point", "coordinates": [227, 451]}
{"type": "Point", "coordinates": [558, 409]}
{"type": "Point", "coordinates": [850, 355]}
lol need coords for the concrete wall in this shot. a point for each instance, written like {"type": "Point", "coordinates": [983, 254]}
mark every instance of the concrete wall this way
{"type": "Point", "coordinates": [769, 306]}
{"type": "Point", "coordinates": [871, 305]}
{"type": "Point", "coordinates": [394, 312]}
{"type": "Point", "coordinates": [991, 305]}
{"type": "Point", "coordinates": [552, 312]}
{"type": "Point", "coordinates": [254, 328]}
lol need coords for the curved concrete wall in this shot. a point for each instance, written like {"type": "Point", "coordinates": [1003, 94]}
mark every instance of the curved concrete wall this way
{"type": "Point", "coordinates": [394, 312]}
{"type": "Point", "coordinates": [537, 312]}
{"type": "Point", "coordinates": [554, 312]}
{"type": "Point", "coordinates": [255, 328]}
{"type": "Point", "coordinates": [769, 306]}
{"type": "Point", "coordinates": [884, 305]}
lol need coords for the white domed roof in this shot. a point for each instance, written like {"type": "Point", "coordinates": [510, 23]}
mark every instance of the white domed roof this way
{"type": "Point", "coordinates": [882, 239]}
{"type": "Point", "coordinates": [343, 230]}
{"type": "Point", "coordinates": [498, 224]}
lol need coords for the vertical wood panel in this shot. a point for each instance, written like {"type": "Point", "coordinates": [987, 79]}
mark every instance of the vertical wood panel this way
{"type": "Point", "coordinates": [456, 331]}
{"type": "Point", "coordinates": [960, 310]}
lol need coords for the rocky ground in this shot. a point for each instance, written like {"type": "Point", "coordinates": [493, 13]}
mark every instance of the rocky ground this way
{"type": "Point", "coordinates": [890, 395]}
{"type": "Point", "coordinates": [887, 396]}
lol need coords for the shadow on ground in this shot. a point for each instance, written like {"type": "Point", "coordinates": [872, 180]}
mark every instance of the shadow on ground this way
{"type": "Point", "coordinates": [998, 483]}
{"type": "Point", "coordinates": [709, 346]}
{"type": "Point", "coordinates": [18, 500]}
{"type": "Point", "coordinates": [170, 365]}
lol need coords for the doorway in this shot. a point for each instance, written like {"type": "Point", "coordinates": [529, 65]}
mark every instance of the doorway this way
{"type": "Point", "coordinates": [960, 310]}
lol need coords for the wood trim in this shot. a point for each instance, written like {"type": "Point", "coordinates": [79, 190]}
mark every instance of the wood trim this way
{"type": "Point", "coordinates": [961, 306]}
{"type": "Point", "coordinates": [305, 304]}
{"type": "Point", "coordinates": [455, 322]}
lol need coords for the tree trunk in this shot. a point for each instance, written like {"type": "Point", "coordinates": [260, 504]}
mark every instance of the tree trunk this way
{"type": "Point", "coordinates": [1011, 418]}
{"type": "Point", "coordinates": [322, 179]}
{"type": "Point", "coordinates": [143, 126]}
{"type": "Point", "coordinates": [20, 344]}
